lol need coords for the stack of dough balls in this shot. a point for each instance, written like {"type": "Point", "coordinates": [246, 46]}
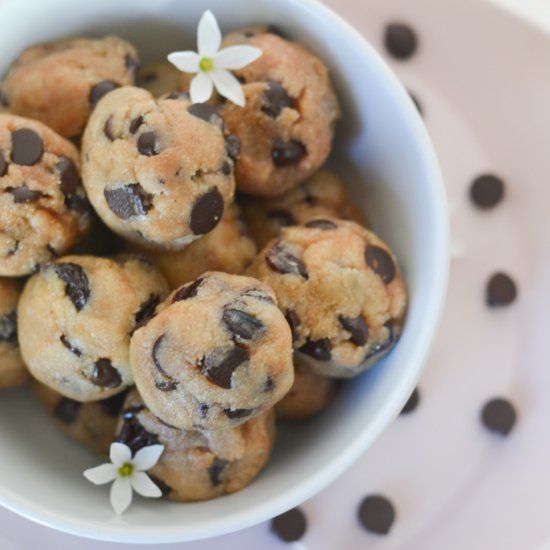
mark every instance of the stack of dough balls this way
{"type": "Point", "coordinates": [183, 273]}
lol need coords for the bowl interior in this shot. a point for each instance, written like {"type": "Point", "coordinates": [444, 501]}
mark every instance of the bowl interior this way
{"type": "Point", "coordinates": [381, 148]}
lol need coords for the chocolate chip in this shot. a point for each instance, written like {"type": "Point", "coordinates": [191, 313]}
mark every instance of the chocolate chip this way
{"type": "Point", "coordinates": [286, 153]}
{"type": "Point", "coordinates": [282, 217]}
{"type": "Point", "coordinates": [501, 290]}
{"type": "Point", "coordinates": [487, 191]}
{"type": "Point", "coordinates": [237, 413]}
{"type": "Point", "coordinates": [242, 324]}
{"type": "Point", "coordinates": [206, 212]}
{"type": "Point", "coordinates": [105, 375]}
{"type": "Point", "coordinates": [376, 514]}
{"type": "Point", "coordinates": [99, 90]}
{"type": "Point", "coordinates": [232, 146]}
{"type": "Point", "coordinates": [8, 328]}
{"type": "Point", "coordinates": [357, 327]}
{"type": "Point", "coordinates": [113, 405]}
{"type": "Point", "coordinates": [166, 385]}
{"type": "Point", "coordinates": [4, 102]}
{"type": "Point", "coordinates": [499, 415]}
{"type": "Point", "coordinates": [318, 349]}
{"type": "Point", "coordinates": [165, 489]}
{"type": "Point", "coordinates": [131, 63]}
{"type": "Point", "coordinates": [226, 168]}
{"type": "Point", "coordinates": [321, 224]}
{"type": "Point", "coordinates": [186, 292]}
{"type": "Point", "coordinates": [412, 402]}
{"type": "Point", "coordinates": [155, 355]}
{"type": "Point", "coordinates": [128, 201]}
{"type": "Point", "coordinates": [3, 165]}
{"type": "Point", "coordinates": [380, 262]}
{"type": "Point", "coordinates": [219, 367]}
{"type": "Point", "coordinates": [65, 341]}
{"type": "Point", "coordinates": [146, 311]}
{"type": "Point", "coordinates": [132, 432]}
{"type": "Point", "coordinates": [23, 194]}
{"type": "Point", "coordinates": [275, 98]}
{"type": "Point", "coordinates": [27, 147]}
{"type": "Point", "coordinates": [203, 410]}
{"type": "Point", "coordinates": [400, 41]}
{"type": "Point", "coordinates": [258, 294]}
{"type": "Point", "coordinates": [177, 95]}
{"type": "Point", "coordinates": [290, 526]}
{"type": "Point", "coordinates": [135, 124]}
{"type": "Point", "coordinates": [215, 470]}
{"type": "Point", "coordinates": [78, 204]}
{"type": "Point", "coordinates": [66, 410]}
{"type": "Point", "coordinates": [207, 112]}
{"type": "Point", "coordinates": [416, 102]}
{"type": "Point", "coordinates": [77, 287]}
{"type": "Point", "coordinates": [68, 175]}
{"type": "Point", "coordinates": [283, 261]}
{"type": "Point", "coordinates": [269, 384]}
{"type": "Point", "coordinates": [147, 144]}
{"type": "Point", "coordinates": [381, 347]}
{"type": "Point", "coordinates": [293, 321]}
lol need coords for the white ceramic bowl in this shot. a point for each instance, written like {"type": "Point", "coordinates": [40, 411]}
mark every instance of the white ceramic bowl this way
{"type": "Point", "coordinates": [383, 150]}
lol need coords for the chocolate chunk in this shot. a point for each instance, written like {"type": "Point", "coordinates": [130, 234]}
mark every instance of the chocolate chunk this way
{"type": "Point", "coordinates": [177, 95]}
{"type": "Point", "coordinates": [27, 147]}
{"type": "Point", "coordinates": [166, 385]}
{"type": "Point", "coordinates": [226, 168]}
{"type": "Point", "coordinates": [131, 63]}
{"type": "Point", "coordinates": [232, 146]}
{"type": "Point", "coordinates": [155, 355]}
{"type": "Point", "coordinates": [380, 262]}
{"type": "Point", "coordinates": [133, 433]}
{"type": "Point", "coordinates": [286, 153]}
{"type": "Point", "coordinates": [382, 347]}
{"type": "Point", "coordinates": [66, 410]}
{"type": "Point", "coordinates": [69, 176]}
{"type": "Point", "coordinates": [400, 41]}
{"type": "Point", "coordinates": [165, 489]}
{"type": "Point", "coordinates": [105, 375]}
{"type": "Point", "coordinates": [203, 410]}
{"type": "Point", "coordinates": [147, 144]}
{"type": "Point", "coordinates": [487, 191]}
{"type": "Point", "coordinates": [107, 129]}
{"type": "Point", "coordinates": [186, 292]}
{"type": "Point", "coordinates": [269, 384]}
{"type": "Point", "coordinates": [293, 321]}
{"type": "Point", "coordinates": [290, 526]}
{"type": "Point", "coordinates": [23, 194]}
{"type": "Point", "coordinates": [499, 415]}
{"type": "Point", "coordinates": [128, 201]}
{"type": "Point", "coordinates": [3, 165]}
{"type": "Point", "coordinates": [73, 349]}
{"type": "Point", "coordinates": [99, 90]}
{"type": "Point", "coordinates": [357, 327]}
{"type": "Point", "coordinates": [77, 203]}
{"type": "Point", "coordinates": [318, 349]}
{"type": "Point", "coordinates": [283, 261]}
{"type": "Point", "coordinates": [218, 367]}
{"type": "Point", "coordinates": [376, 514]}
{"type": "Point", "coordinates": [215, 470]}
{"type": "Point", "coordinates": [207, 112]}
{"type": "Point", "coordinates": [416, 102]}
{"type": "Point", "coordinates": [135, 124]}
{"type": "Point", "coordinates": [321, 224]}
{"type": "Point", "coordinates": [206, 212]}
{"type": "Point", "coordinates": [113, 405]}
{"type": "Point", "coordinates": [146, 311]}
{"type": "Point", "coordinates": [412, 402]}
{"type": "Point", "coordinates": [8, 328]}
{"type": "Point", "coordinates": [282, 217]}
{"type": "Point", "coordinates": [237, 413]}
{"type": "Point", "coordinates": [501, 290]}
{"type": "Point", "coordinates": [258, 294]}
{"type": "Point", "coordinates": [275, 98]}
{"type": "Point", "coordinates": [242, 324]}
{"type": "Point", "coordinates": [77, 287]}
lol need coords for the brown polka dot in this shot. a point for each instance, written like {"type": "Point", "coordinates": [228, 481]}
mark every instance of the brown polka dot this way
{"type": "Point", "coordinates": [77, 286]}
{"type": "Point", "coordinates": [23, 194]}
{"type": "Point", "coordinates": [206, 212]}
{"type": "Point", "coordinates": [499, 415]}
{"type": "Point", "coordinates": [275, 98]}
{"type": "Point", "coordinates": [237, 413]}
{"type": "Point", "coordinates": [146, 311]}
{"type": "Point", "coordinates": [287, 153]}
{"type": "Point", "coordinates": [69, 176]}
{"type": "Point", "coordinates": [290, 526]}
{"type": "Point", "coordinates": [376, 514]}
{"type": "Point", "coordinates": [241, 324]}
{"type": "Point", "coordinates": [135, 124]}
{"type": "Point", "coordinates": [147, 144]}
{"type": "Point", "coordinates": [219, 366]}
{"type": "Point", "coordinates": [318, 349]}
{"type": "Point", "coordinates": [501, 290]}
{"type": "Point", "coordinates": [380, 262]}
{"type": "Point", "coordinates": [282, 260]}
{"type": "Point", "coordinates": [207, 112]}
{"type": "Point", "coordinates": [357, 327]}
{"type": "Point", "coordinates": [188, 291]}
{"type": "Point", "coordinates": [400, 41]}
{"type": "Point", "coordinates": [105, 375]}
{"type": "Point", "coordinates": [72, 348]}
{"type": "Point", "coordinates": [27, 147]}
{"type": "Point", "coordinates": [487, 191]}
{"type": "Point", "coordinates": [294, 322]}
{"type": "Point", "coordinates": [108, 130]}
{"type": "Point", "coordinates": [216, 469]}
{"type": "Point", "coordinates": [99, 90]}
{"type": "Point", "coordinates": [128, 201]}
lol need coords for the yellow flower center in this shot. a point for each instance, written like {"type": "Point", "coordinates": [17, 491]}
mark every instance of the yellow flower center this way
{"type": "Point", "coordinates": [126, 470]}
{"type": "Point", "coordinates": [206, 64]}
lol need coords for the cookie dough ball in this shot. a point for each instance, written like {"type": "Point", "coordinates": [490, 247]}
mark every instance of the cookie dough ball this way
{"type": "Point", "coordinates": [218, 354]}
{"type": "Point", "coordinates": [92, 424]}
{"type": "Point", "coordinates": [76, 317]}
{"type": "Point", "coordinates": [324, 194]}
{"type": "Point", "coordinates": [198, 465]}
{"type": "Point", "coordinates": [163, 78]}
{"type": "Point", "coordinates": [341, 290]}
{"type": "Point", "coordinates": [310, 394]}
{"type": "Point", "coordinates": [59, 83]}
{"type": "Point", "coordinates": [158, 172]}
{"type": "Point", "coordinates": [12, 369]}
{"type": "Point", "coordinates": [287, 125]}
{"type": "Point", "coordinates": [43, 206]}
{"type": "Point", "coordinates": [228, 247]}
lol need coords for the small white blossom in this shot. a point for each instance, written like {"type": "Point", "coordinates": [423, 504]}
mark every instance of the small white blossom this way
{"type": "Point", "coordinates": [127, 473]}
{"type": "Point", "coordinates": [212, 65]}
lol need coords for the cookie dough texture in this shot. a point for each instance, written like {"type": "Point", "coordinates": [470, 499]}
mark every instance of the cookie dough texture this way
{"type": "Point", "coordinates": [198, 465]}
{"type": "Point", "coordinates": [287, 125]}
{"type": "Point", "coordinates": [324, 194]}
{"type": "Point", "coordinates": [76, 317]}
{"type": "Point", "coordinates": [43, 208]}
{"type": "Point", "coordinates": [218, 353]}
{"type": "Point", "coordinates": [341, 290]}
{"type": "Point", "coordinates": [158, 172]}
{"type": "Point", "coordinates": [59, 83]}
{"type": "Point", "coordinates": [12, 369]}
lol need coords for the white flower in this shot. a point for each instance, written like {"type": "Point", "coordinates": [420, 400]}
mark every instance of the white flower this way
{"type": "Point", "coordinates": [127, 474]}
{"type": "Point", "coordinates": [213, 64]}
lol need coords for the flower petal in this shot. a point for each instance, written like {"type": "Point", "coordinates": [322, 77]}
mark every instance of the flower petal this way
{"type": "Point", "coordinates": [228, 86]}
{"type": "Point", "coordinates": [147, 457]}
{"type": "Point", "coordinates": [143, 485]}
{"type": "Point", "coordinates": [101, 474]}
{"type": "Point", "coordinates": [201, 88]}
{"type": "Point", "coordinates": [209, 36]}
{"type": "Point", "coordinates": [121, 495]}
{"type": "Point", "coordinates": [188, 61]}
{"type": "Point", "coordinates": [236, 57]}
{"type": "Point", "coordinates": [120, 454]}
